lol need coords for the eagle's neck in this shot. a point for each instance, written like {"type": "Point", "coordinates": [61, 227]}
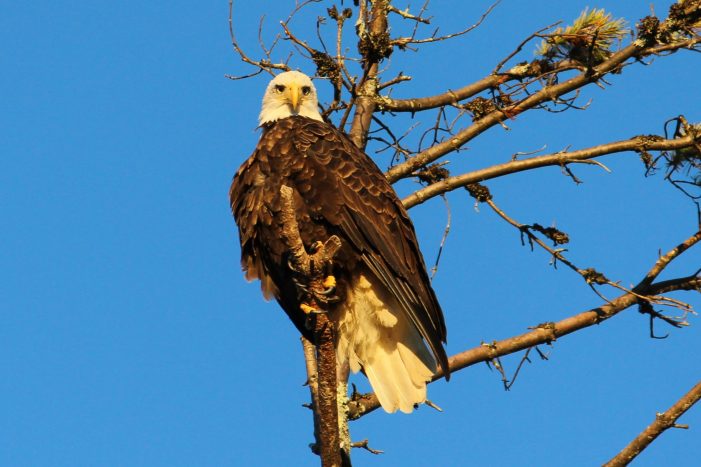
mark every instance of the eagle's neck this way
{"type": "Point", "coordinates": [274, 111]}
{"type": "Point", "coordinates": [287, 121]}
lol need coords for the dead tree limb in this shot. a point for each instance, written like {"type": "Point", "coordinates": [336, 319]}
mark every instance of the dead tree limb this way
{"type": "Point", "coordinates": [327, 403]}
{"type": "Point", "coordinates": [636, 143]}
{"type": "Point", "coordinates": [543, 333]}
{"type": "Point", "coordinates": [549, 332]}
{"type": "Point", "coordinates": [663, 421]}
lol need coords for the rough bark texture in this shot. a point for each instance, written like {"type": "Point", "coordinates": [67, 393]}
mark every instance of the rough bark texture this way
{"type": "Point", "coordinates": [367, 90]}
{"type": "Point", "coordinates": [327, 409]}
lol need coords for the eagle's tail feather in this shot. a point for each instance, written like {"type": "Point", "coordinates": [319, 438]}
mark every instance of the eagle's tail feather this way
{"type": "Point", "coordinates": [388, 348]}
{"type": "Point", "coordinates": [398, 385]}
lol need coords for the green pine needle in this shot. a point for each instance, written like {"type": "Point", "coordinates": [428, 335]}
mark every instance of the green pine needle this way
{"type": "Point", "coordinates": [588, 39]}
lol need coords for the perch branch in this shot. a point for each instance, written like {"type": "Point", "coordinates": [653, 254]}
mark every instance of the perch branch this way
{"type": "Point", "coordinates": [311, 269]}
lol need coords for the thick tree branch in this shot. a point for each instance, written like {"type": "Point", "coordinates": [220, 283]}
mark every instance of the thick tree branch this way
{"type": "Point", "coordinates": [549, 332]}
{"type": "Point", "coordinates": [327, 408]}
{"type": "Point", "coordinates": [449, 97]}
{"type": "Point", "coordinates": [637, 143]}
{"type": "Point", "coordinates": [373, 43]}
{"type": "Point", "coordinates": [455, 96]}
{"type": "Point", "coordinates": [663, 421]}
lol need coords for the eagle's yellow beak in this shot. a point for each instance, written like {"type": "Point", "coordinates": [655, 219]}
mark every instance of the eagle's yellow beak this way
{"type": "Point", "coordinates": [294, 97]}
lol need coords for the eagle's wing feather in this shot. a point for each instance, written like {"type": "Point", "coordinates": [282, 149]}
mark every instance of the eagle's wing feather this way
{"type": "Point", "coordinates": [369, 214]}
{"type": "Point", "coordinates": [246, 201]}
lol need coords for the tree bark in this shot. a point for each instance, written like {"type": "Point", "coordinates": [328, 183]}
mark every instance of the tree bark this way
{"type": "Point", "coordinates": [327, 405]}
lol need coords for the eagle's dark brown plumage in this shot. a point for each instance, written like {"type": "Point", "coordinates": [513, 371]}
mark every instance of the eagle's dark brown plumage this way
{"type": "Point", "coordinates": [339, 191]}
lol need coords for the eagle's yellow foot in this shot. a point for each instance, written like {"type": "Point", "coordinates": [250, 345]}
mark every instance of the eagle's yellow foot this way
{"type": "Point", "coordinates": [327, 295]}
{"type": "Point", "coordinates": [329, 283]}
{"type": "Point", "coordinates": [308, 310]}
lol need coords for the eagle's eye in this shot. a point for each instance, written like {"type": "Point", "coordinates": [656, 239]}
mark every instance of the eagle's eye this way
{"type": "Point", "coordinates": [280, 87]}
{"type": "Point", "coordinates": [306, 90]}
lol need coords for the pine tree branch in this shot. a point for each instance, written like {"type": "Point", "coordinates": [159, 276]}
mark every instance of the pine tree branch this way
{"type": "Point", "coordinates": [548, 93]}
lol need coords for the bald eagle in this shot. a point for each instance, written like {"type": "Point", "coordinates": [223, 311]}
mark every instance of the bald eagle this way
{"type": "Point", "coordinates": [386, 310]}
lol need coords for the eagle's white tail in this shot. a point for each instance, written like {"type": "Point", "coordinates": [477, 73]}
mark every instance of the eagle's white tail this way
{"type": "Point", "coordinates": [389, 350]}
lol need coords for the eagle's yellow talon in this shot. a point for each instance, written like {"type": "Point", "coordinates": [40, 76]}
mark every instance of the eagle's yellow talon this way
{"type": "Point", "coordinates": [307, 309]}
{"type": "Point", "coordinates": [329, 282]}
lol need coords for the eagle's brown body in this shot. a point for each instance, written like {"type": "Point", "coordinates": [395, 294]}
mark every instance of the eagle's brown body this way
{"type": "Point", "coordinates": [386, 306]}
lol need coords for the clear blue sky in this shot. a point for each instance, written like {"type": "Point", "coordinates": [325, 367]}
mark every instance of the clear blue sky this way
{"type": "Point", "coordinates": [129, 337]}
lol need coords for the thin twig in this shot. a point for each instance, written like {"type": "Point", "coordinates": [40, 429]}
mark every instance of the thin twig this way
{"type": "Point", "coordinates": [364, 445]}
{"type": "Point", "coordinates": [446, 231]}
{"type": "Point", "coordinates": [404, 41]}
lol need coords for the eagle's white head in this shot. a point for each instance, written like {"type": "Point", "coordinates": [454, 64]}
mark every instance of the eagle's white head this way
{"type": "Point", "coordinates": [289, 93]}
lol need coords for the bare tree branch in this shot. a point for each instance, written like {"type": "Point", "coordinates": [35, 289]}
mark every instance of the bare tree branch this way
{"type": "Point", "coordinates": [404, 41]}
{"type": "Point", "coordinates": [663, 421]}
{"type": "Point", "coordinates": [542, 334]}
{"type": "Point", "coordinates": [262, 65]}
{"type": "Point", "coordinates": [364, 445]}
{"type": "Point", "coordinates": [637, 143]}
{"type": "Point", "coordinates": [664, 260]}
{"type": "Point", "coordinates": [386, 103]}
{"type": "Point", "coordinates": [546, 333]}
